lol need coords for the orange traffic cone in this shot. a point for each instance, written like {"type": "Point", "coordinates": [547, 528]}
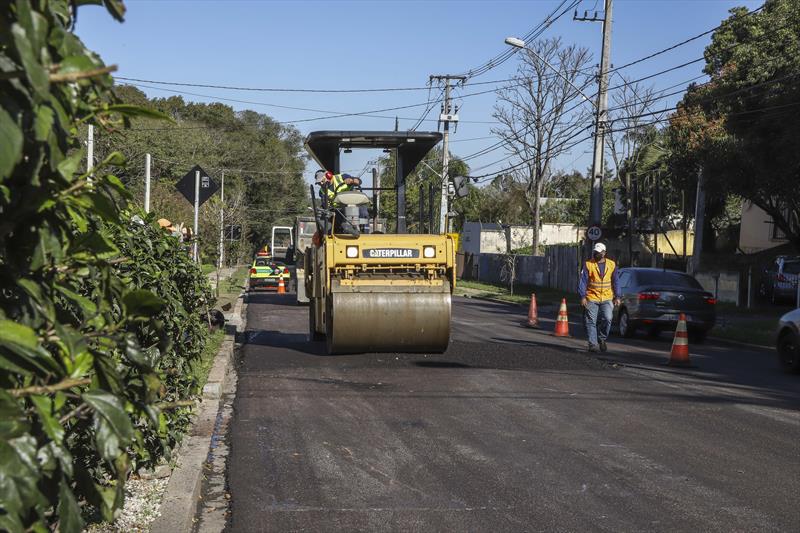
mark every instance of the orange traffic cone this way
{"type": "Point", "coordinates": [281, 286]}
{"type": "Point", "coordinates": [533, 313]}
{"type": "Point", "coordinates": [679, 356]}
{"type": "Point", "coordinates": [562, 322]}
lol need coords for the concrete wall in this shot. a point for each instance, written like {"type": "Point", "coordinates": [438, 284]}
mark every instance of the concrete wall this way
{"type": "Point", "coordinates": [723, 285]}
{"type": "Point", "coordinates": [755, 234]}
{"type": "Point", "coordinates": [478, 238]}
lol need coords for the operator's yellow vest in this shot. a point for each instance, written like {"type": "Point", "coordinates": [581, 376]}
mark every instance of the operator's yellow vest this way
{"type": "Point", "coordinates": [599, 288]}
{"type": "Point", "coordinates": [336, 186]}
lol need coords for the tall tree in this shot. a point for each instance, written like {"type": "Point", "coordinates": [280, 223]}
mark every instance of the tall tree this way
{"type": "Point", "coordinates": [538, 117]}
{"type": "Point", "coordinates": [743, 127]}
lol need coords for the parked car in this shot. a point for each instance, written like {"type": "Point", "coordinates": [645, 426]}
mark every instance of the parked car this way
{"type": "Point", "coordinates": [266, 273]}
{"type": "Point", "coordinates": [654, 298]}
{"type": "Point", "coordinates": [787, 341]}
{"type": "Point", "coordinates": [780, 279]}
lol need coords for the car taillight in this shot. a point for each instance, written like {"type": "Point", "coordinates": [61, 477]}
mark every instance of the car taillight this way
{"type": "Point", "coordinates": [649, 296]}
{"type": "Point", "coordinates": [710, 300]}
{"type": "Point", "coordinates": [253, 270]}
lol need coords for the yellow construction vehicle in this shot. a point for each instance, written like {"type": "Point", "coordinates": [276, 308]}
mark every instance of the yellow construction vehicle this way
{"type": "Point", "coordinates": [376, 292]}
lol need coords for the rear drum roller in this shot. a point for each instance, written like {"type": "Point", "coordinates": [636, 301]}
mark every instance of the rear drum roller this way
{"type": "Point", "coordinates": [359, 322]}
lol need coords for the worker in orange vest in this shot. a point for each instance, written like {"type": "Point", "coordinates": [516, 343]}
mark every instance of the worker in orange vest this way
{"type": "Point", "coordinates": [598, 288]}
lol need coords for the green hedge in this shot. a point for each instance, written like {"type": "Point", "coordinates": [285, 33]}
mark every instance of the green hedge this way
{"type": "Point", "coordinates": [100, 311]}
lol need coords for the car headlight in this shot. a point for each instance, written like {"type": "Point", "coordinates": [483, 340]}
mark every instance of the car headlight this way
{"type": "Point", "coordinates": [429, 251]}
{"type": "Point", "coordinates": [351, 252]}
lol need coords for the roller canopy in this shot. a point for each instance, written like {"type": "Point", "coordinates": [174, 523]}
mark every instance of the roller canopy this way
{"type": "Point", "coordinates": [324, 146]}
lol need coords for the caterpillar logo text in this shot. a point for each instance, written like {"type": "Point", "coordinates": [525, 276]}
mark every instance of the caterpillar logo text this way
{"type": "Point", "coordinates": [391, 253]}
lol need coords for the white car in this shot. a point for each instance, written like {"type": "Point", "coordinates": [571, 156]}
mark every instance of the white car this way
{"type": "Point", "coordinates": [788, 341]}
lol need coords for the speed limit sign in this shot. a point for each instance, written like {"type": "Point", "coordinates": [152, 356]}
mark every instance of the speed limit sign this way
{"type": "Point", "coordinates": [594, 233]}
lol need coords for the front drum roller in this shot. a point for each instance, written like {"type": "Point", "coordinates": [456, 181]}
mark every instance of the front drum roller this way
{"type": "Point", "coordinates": [360, 322]}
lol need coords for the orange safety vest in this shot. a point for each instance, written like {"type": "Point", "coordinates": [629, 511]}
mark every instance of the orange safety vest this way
{"type": "Point", "coordinates": [599, 288]}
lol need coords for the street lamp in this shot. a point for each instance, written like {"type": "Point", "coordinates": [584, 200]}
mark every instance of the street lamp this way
{"type": "Point", "coordinates": [519, 43]}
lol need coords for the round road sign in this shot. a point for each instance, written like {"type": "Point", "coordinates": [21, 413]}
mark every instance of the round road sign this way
{"type": "Point", "coordinates": [594, 233]}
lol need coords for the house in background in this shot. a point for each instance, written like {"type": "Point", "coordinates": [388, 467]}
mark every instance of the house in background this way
{"type": "Point", "coordinates": [758, 232]}
{"type": "Point", "coordinates": [490, 238]}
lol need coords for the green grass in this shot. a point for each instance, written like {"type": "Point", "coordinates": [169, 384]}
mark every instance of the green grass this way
{"type": "Point", "coordinates": [752, 331]}
{"type": "Point", "coordinates": [522, 293]}
{"type": "Point", "coordinates": [229, 289]}
{"type": "Point", "coordinates": [202, 367]}
{"type": "Point", "coordinates": [208, 269]}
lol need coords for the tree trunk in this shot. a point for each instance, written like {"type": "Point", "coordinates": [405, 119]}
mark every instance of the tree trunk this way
{"type": "Point", "coordinates": [536, 216]}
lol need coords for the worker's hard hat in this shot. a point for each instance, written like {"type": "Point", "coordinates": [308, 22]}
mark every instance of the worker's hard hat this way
{"type": "Point", "coordinates": [599, 247]}
{"type": "Point", "coordinates": [319, 176]}
{"type": "Point", "coordinates": [329, 175]}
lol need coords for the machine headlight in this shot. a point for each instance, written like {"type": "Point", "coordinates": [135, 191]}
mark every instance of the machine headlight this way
{"type": "Point", "coordinates": [351, 252]}
{"type": "Point", "coordinates": [429, 251]}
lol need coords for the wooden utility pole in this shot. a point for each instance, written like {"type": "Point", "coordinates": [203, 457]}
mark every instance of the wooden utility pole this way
{"type": "Point", "coordinates": [601, 117]}
{"type": "Point", "coordinates": [446, 117]}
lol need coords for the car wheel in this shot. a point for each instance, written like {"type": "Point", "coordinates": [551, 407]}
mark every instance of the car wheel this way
{"type": "Point", "coordinates": [789, 351]}
{"type": "Point", "coordinates": [626, 329]}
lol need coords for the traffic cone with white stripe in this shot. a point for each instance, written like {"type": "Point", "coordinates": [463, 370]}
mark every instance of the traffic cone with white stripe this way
{"type": "Point", "coordinates": [281, 286]}
{"type": "Point", "coordinates": [533, 313]}
{"type": "Point", "coordinates": [679, 356]}
{"type": "Point", "coordinates": [562, 322]}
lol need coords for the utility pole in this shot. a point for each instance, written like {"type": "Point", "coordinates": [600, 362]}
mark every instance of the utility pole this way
{"type": "Point", "coordinates": [222, 223]}
{"type": "Point", "coordinates": [146, 183]}
{"type": "Point", "coordinates": [699, 223]}
{"type": "Point", "coordinates": [596, 199]}
{"type": "Point", "coordinates": [195, 254]}
{"type": "Point", "coordinates": [90, 152]}
{"type": "Point", "coordinates": [446, 117]}
{"type": "Point", "coordinates": [376, 197]}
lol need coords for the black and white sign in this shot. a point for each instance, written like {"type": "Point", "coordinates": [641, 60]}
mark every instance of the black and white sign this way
{"type": "Point", "coordinates": [207, 185]}
{"type": "Point", "coordinates": [594, 233]}
{"type": "Point", "coordinates": [390, 253]}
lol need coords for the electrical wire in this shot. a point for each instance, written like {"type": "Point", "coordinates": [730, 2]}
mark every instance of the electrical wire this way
{"type": "Point", "coordinates": [681, 43]}
{"type": "Point", "coordinates": [532, 34]}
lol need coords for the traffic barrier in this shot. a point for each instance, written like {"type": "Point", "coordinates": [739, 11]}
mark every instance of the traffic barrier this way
{"type": "Point", "coordinates": [533, 313]}
{"type": "Point", "coordinates": [281, 286]}
{"type": "Point", "coordinates": [679, 356]}
{"type": "Point", "coordinates": [562, 322]}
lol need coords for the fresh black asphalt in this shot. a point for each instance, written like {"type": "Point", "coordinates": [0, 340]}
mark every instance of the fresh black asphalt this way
{"type": "Point", "coordinates": [509, 430]}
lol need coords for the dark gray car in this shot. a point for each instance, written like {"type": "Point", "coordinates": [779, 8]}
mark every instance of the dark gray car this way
{"type": "Point", "coordinates": [781, 278]}
{"type": "Point", "coordinates": [653, 299]}
{"type": "Point", "coordinates": [788, 341]}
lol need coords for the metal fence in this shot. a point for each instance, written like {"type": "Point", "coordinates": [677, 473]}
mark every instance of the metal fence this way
{"type": "Point", "coordinates": [558, 268]}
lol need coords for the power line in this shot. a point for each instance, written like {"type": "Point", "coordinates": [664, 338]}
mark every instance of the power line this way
{"type": "Point", "coordinates": [681, 43]}
{"type": "Point", "coordinates": [532, 34]}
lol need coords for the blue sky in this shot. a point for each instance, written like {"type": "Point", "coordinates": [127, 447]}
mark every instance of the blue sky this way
{"type": "Point", "coordinates": [378, 44]}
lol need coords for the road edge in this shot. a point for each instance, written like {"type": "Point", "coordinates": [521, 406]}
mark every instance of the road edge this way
{"type": "Point", "coordinates": [181, 497]}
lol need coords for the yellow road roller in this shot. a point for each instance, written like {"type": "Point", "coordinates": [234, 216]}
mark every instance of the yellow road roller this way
{"type": "Point", "coordinates": [371, 291]}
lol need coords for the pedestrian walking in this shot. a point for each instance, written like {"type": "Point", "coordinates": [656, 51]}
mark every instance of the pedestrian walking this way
{"type": "Point", "coordinates": [599, 291]}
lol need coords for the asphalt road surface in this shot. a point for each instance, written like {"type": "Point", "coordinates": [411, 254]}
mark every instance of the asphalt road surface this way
{"type": "Point", "coordinates": [511, 429]}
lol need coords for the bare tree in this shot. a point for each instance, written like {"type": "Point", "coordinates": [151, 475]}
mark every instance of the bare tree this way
{"type": "Point", "coordinates": [540, 114]}
{"type": "Point", "coordinates": [631, 137]}
{"type": "Point", "coordinates": [631, 124]}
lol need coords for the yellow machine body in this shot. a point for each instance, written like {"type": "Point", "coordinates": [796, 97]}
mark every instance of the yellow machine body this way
{"type": "Point", "coordinates": [381, 293]}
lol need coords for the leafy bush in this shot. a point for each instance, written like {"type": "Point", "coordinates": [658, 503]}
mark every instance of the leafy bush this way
{"type": "Point", "coordinates": [99, 311]}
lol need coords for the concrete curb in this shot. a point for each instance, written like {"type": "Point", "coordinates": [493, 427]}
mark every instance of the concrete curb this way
{"type": "Point", "coordinates": [179, 504]}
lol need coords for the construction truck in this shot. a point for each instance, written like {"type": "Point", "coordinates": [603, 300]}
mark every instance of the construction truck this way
{"type": "Point", "coordinates": [371, 291]}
